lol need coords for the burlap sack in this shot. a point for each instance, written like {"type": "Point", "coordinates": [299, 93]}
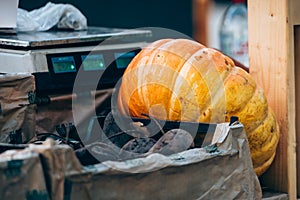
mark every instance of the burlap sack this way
{"type": "Point", "coordinates": [37, 172]}
{"type": "Point", "coordinates": [17, 115]}
{"type": "Point", "coordinates": [22, 176]}
{"type": "Point", "coordinates": [222, 170]}
{"type": "Point", "coordinates": [60, 110]}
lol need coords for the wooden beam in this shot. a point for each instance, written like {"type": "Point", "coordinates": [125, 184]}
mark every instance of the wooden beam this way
{"type": "Point", "coordinates": [201, 9]}
{"type": "Point", "coordinates": [271, 53]}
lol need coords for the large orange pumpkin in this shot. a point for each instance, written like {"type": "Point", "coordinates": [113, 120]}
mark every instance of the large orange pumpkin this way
{"type": "Point", "coordinates": [182, 80]}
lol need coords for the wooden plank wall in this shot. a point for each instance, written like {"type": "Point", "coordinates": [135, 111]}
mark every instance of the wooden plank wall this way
{"type": "Point", "coordinates": [272, 64]}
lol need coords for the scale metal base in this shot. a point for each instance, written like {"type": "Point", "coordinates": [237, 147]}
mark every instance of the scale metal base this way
{"type": "Point", "coordinates": [55, 57]}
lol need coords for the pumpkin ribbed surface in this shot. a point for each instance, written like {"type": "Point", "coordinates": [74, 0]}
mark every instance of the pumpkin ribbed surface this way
{"type": "Point", "coordinates": [182, 80]}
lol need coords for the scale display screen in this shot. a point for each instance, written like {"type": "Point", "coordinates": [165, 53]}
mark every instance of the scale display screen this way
{"type": "Point", "coordinates": [123, 59]}
{"type": "Point", "coordinates": [93, 62]}
{"type": "Point", "coordinates": [64, 64]}
{"type": "Point", "coordinates": [64, 67]}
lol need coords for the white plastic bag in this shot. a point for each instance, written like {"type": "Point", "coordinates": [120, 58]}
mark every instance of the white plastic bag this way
{"type": "Point", "coordinates": [64, 16]}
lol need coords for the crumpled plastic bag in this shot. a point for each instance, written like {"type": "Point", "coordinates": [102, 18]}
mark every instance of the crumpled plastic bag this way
{"type": "Point", "coordinates": [63, 16]}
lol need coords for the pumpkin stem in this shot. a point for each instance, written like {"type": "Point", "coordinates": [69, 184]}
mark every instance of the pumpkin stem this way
{"type": "Point", "coordinates": [156, 122]}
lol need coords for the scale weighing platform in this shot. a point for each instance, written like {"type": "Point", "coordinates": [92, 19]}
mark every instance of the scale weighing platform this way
{"type": "Point", "coordinates": [54, 57]}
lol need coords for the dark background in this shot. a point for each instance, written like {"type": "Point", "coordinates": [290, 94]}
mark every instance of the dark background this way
{"type": "Point", "coordinates": [171, 14]}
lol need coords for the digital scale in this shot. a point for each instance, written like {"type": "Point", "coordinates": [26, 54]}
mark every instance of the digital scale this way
{"type": "Point", "coordinates": [55, 57]}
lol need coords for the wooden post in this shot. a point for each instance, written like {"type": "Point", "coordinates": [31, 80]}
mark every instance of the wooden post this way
{"type": "Point", "coordinates": [273, 41]}
{"type": "Point", "coordinates": [201, 10]}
